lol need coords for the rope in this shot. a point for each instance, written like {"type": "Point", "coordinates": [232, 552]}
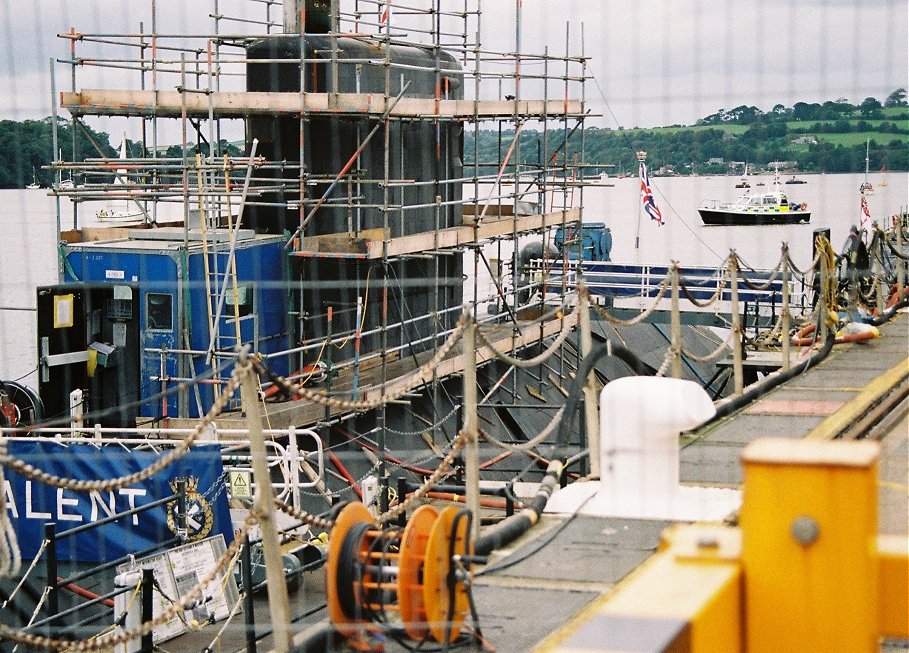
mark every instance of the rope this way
{"type": "Point", "coordinates": [29, 471]}
{"type": "Point", "coordinates": [10, 556]}
{"type": "Point", "coordinates": [536, 360]}
{"type": "Point", "coordinates": [38, 607]}
{"type": "Point", "coordinates": [814, 263]}
{"type": "Point", "coordinates": [716, 353]}
{"type": "Point", "coordinates": [303, 516]}
{"type": "Point", "coordinates": [606, 315]}
{"type": "Point", "coordinates": [175, 609]}
{"type": "Point", "coordinates": [386, 396]}
{"type": "Point", "coordinates": [533, 442]}
{"type": "Point", "coordinates": [217, 638]}
{"type": "Point", "coordinates": [31, 567]}
{"type": "Point", "coordinates": [713, 298]}
{"type": "Point", "coordinates": [442, 469]}
{"type": "Point", "coordinates": [774, 273]}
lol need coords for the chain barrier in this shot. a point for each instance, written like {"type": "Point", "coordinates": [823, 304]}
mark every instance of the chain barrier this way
{"type": "Point", "coordinates": [668, 357]}
{"type": "Point", "coordinates": [802, 274]}
{"type": "Point", "coordinates": [178, 606]}
{"type": "Point", "coordinates": [752, 285]}
{"type": "Point", "coordinates": [713, 298]}
{"type": "Point", "coordinates": [429, 427]}
{"type": "Point", "coordinates": [446, 464]}
{"type": "Point", "coordinates": [536, 360]}
{"type": "Point", "coordinates": [712, 356]}
{"type": "Point", "coordinates": [10, 554]}
{"type": "Point", "coordinates": [406, 385]}
{"type": "Point", "coordinates": [30, 472]}
{"type": "Point", "coordinates": [661, 293]}
{"type": "Point", "coordinates": [530, 444]}
{"type": "Point", "coordinates": [305, 518]}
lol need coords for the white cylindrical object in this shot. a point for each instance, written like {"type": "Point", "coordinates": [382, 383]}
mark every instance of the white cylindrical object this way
{"type": "Point", "coordinates": [640, 421]}
{"type": "Point", "coordinates": [133, 609]}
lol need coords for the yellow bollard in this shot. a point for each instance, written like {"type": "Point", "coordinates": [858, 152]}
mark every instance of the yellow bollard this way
{"type": "Point", "coordinates": [809, 546]}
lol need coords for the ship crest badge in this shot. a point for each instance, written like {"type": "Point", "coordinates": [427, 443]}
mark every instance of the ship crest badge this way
{"type": "Point", "coordinates": [199, 516]}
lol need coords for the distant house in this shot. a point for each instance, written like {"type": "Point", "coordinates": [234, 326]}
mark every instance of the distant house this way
{"type": "Point", "coordinates": [729, 137]}
{"type": "Point", "coordinates": [716, 161]}
{"type": "Point", "coordinates": [804, 140]}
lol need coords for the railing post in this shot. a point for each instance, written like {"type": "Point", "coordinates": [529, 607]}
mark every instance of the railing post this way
{"type": "Point", "coordinates": [53, 596]}
{"type": "Point", "coordinates": [263, 505]}
{"type": "Point", "coordinates": [785, 318]}
{"type": "Point", "coordinates": [826, 279]}
{"type": "Point", "coordinates": [293, 452]}
{"type": "Point", "coordinates": [736, 324]}
{"type": "Point", "coordinates": [900, 263]}
{"type": "Point", "coordinates": [676, 326]}
{"type": "Point", "coordinates": [471, 426]}
{"type": "Point", "coordinates": [248, 608]}
{"type": "Point", "coordinates": [148, 582]}
{"type": "Point", "coordinates": [591, 416]}
{"type": "Point", "coordinates": [182, 531]}
{"type": "Point", "coordinates": [402, 495]}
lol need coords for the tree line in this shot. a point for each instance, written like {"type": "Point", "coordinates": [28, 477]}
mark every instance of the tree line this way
{"type": "Point", "coordinates": [808, 136]}
{"type": "Point", "coordinates": [27, 148]}
{"type": "Point", "coordinates": [813, 137]}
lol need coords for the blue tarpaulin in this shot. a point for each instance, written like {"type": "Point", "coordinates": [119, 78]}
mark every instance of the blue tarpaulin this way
{"type": "Point", "coordinates": [31, 504]}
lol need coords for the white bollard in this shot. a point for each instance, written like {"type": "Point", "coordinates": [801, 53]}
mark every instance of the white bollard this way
{"type": "Point", "coordinates": [641, 418]}
{"type": "Point", "coordinates": [640, 421]}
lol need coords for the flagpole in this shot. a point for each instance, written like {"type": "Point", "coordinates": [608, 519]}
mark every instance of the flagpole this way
{"type": "Point", "coordinates": [642, 158]}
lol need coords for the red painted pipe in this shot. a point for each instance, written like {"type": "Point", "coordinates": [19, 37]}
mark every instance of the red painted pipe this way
{"type": "Point", "coordinates": [84, 593]}
{"type": "Point", "coordinates": [343, 470]}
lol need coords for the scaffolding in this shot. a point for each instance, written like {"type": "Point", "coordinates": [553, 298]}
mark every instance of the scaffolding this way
{"type": "Point", "coordinates": [480, 213]}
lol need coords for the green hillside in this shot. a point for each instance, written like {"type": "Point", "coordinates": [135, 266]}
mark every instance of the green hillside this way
{"type": "Point", "coordinates": [828, 137]}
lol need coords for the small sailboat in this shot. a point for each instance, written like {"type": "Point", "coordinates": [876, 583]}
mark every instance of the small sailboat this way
{"type": "Point", "coordinates": [34, 183]}
{"type": "Point", "coordinates": [128, 211]}
{"type": "Point", "coordinates": [883, 182]}
{"type": "Point", "coordinates": [867, 188]}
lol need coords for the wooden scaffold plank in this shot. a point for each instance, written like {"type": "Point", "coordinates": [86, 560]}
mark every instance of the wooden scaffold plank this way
{"type": "Point", "coordinates": [239, 104]}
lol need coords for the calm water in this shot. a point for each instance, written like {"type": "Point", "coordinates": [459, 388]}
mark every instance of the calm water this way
{"type": "Point", "coordinates": [28, 228]}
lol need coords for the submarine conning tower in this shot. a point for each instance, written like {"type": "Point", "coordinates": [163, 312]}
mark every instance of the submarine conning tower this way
{"type": "Point", "coordinates": [398, 185]}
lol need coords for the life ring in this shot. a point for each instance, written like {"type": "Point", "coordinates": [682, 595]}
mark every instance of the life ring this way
{"type": "Point", "coordinates": [803, 206]}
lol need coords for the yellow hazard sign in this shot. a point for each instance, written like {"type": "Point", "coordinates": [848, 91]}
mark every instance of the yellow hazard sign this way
{"type": "Point", "coordinates": [240, 484]}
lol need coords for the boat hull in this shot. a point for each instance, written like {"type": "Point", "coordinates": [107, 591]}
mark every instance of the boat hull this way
{"type": "Point", "coordinates": [725, 217]}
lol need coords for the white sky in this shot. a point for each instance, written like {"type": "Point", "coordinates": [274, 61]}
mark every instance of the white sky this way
{"type": "Point", "coordinates": [657, 62]}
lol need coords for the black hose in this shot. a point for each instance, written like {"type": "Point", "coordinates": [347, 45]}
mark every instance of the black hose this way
{"type": "Point", "coordinates": [768, 383]}
{"type": "Point", "coordinates": [598, 351]}
{"type": "Point", "coordinates": [890, 312]}
{"type": "Point", "coordinates": [510, 528]}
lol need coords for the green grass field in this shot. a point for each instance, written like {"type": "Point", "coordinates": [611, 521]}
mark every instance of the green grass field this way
{"type": "Point", "coordinates": [859, 138]}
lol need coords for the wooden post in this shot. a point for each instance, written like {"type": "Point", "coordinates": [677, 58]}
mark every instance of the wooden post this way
{"type": "Point", "coordinates": [900, 263]}
{"type": "Point", "coordinates": [471, 426]}
{"type": "Point", "coordinates": [824, 309]}
{"type": "Point", "coordinates": [263, 505]}
{"type": "Point", "coordinates": [736, 325]}
{"type": "Point", "coordinates": [591, 414]}
{"type": "Point", "coordinates": [785, 316]}
{"type": "Point", "coordinates": [676, 326]}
